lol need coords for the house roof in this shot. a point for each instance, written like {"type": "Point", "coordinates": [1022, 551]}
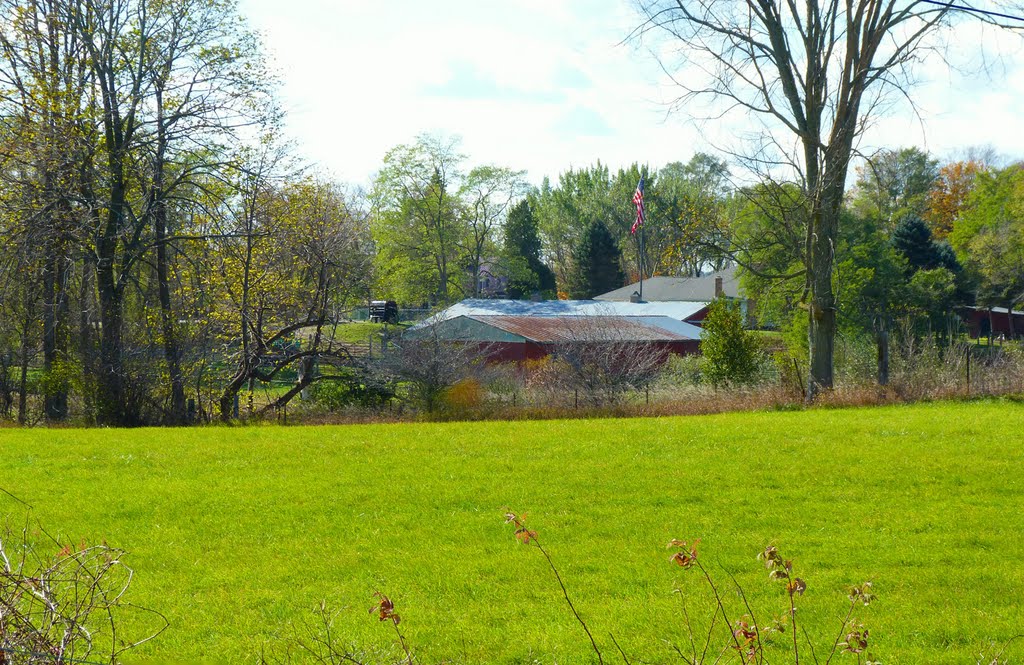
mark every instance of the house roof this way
{"type": "Point", "coordinates": [679, 311]}
{"type": "Point", "coordinates": [995, 310]}
{"type": "Point", "coordinates": [550, 329]}
{"type": "Point", "coordinates": [679, 289]}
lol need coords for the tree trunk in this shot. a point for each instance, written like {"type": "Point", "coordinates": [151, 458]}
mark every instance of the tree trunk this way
{"type": "Point", "coordinates": [172, 351]}
{"type": "Point", "coordinates": [55, 330]}
{"type": "Point", "coordinates": [23, 378]}
{"type": "Point", "coordinates": [111, 401]}
{"type": "Point", "coordinates": [6, 396]}
{"type": "Point", "coordinates": [85, 341]}
{"type": "Point", "coordinates": [822, 310]}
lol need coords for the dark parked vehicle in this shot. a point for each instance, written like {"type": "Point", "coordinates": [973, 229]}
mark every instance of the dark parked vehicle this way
{"type": "Point", "coordinates": [383, 311]}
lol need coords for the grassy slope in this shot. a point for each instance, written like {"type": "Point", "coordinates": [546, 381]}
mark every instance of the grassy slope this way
{"type": "Point", "coordinates": [236, 532]}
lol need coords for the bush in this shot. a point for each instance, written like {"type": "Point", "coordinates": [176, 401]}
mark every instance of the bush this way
{"type": "Point", "coordinates": [731, 353]}
{"type": "Point", "coordinates": [465, 395]}
{"type": "Point", "coordinates": [681, 372]}
{"type": "Point", "coordinates": [351, 388]}
{"type": "Point", "coordinates": [66, 603]}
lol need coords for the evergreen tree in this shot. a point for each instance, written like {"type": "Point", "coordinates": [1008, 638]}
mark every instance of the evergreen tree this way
{"type": "Point", "coordinates": [527, 271]}
{"type": "Point", "coordinates": [597, 263]}
{"type": "Point", "coordinates": [730, 353]}
{"type": "Point", "coordinates": [913, 240]}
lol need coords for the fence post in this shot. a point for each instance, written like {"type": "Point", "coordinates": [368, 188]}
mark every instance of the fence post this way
{"type": "Point", "coordinates": [968, 370]}
{"type": "Point", "coordinates": [576, 399]}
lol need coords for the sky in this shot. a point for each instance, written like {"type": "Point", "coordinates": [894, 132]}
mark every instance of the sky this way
{"type": "Point", "coordinates": [546, 85]}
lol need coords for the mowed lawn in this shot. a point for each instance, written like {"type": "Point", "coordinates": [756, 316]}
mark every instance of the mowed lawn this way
{"type": "Point", "coordinates": [237, 533]}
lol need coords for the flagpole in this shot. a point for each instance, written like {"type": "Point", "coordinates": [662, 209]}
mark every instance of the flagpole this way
{"type": "Point", "coordinates": [641, 262]}
{"type": "Point", "coordinates": [638, 199]}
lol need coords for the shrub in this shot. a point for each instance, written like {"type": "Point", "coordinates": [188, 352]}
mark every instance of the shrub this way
{"type": "Point", "coordinates": [681, 371]}
{"type": "Point", "coordinates": [465, 395]}
{"type": "Point", "coordinates": [64, 603]}
{"type": "Point", "coordinates": [731, 353]}
{"type": "Point", "coordinates": [351, 387]}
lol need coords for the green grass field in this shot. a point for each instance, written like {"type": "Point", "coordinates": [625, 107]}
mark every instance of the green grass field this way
{"type": "Point", "coordinates": [236, 533]}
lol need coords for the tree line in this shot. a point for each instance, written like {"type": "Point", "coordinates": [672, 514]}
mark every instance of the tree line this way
{"type": "Point", "coordinates": [165, 253]}
{"type": "Point", "coordinates": [161, 248]}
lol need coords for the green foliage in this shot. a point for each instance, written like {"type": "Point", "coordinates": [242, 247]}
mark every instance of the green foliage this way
{"type": "Point", "coordinates": [350, 387]}
{"type": "Point", "coordinates": [989, 236]}
{"type": "Point", "coordinates": [215, 520]}
{"type": "Point", "coordinates": [732, 355]}
{"type": "Point", "coordinates": [522, 251]}
{"type": "Point", "coordinates": [871, 277]}
{"type": "Point", "coordinates": [894, 184]}
{"type": "Point", "coordinates": [694, 203]}
{"type": "Point", "coordinates": [681, 371]}
{"type": "Point", "coordinates": [564, 210]}
{"type": "Point", "coordinates": [768, 230]}
{"type": "Point", "coordinates": [416, 222]}
{"type": "Point", "coordinates": [913, 239]}
{"type": "Point", "coordinates": [596, 267]}
{"type": "Point", "coordinates": [688, 215]}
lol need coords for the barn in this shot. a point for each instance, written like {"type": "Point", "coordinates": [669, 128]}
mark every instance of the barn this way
{"type": "Point", "coordinates": [514, 330]}
{"type": "Point", "coordinates": [997, 321]}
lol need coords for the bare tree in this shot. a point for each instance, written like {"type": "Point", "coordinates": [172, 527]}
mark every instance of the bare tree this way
{"type": "Point", "coordinates": [488, 192]}
{"type": "Point", "coordinates": [814, 75]}
{"type": "Point", "coordinates": [605, 357]}
{"type": "Point", "coordinates": [293, 248]}
{"type": "Point", "coordinates": [431, 359]}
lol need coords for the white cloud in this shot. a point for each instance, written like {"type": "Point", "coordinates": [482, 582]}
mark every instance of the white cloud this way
{"type": "Point", "coordinates": [543, 85]}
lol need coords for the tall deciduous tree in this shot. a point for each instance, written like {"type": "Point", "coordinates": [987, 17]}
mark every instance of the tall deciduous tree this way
{"type": "Point", "coordinates": [814, 74]}
{"type": "Point", "coordinates": [417, 224]}
{"type": "Point", "coordinates": [989, 237]}
{"type": "Point", "coordinates": [564, 211]}
{"type": "Point", "coordinates": [694, 201]}
{"type": "Point", "coordinates": [487, 194]}
{"type": "Point", "coordinates": [133, 107]}
{"type": "Point", "coordinates": [894, 183]}
{"type": "Point", "coordinates": [296, 246]}
{"type": "Point", "coordinates": [949, 194]}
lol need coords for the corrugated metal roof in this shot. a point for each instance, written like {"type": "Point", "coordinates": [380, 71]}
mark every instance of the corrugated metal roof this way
{"type": "Point", "coordinates": [463, 328]}
{"type": "Point", "coordinates": [680, 311]}
{"type": "Point", "coordinates": [560, 329]}
{"type": "Point", "coordinates": [681, 328]}
{"type": "Point", "coordinates": [675, 289]}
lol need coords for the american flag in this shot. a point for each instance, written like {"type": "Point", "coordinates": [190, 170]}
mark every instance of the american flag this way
{"type": "Point", "coordinates": [638, 199]}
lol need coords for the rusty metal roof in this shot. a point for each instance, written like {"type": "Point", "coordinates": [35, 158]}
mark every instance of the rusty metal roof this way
{"type": "Point", "coordinates": [562, 329]}
{"type": "Point", "coordinates": [680, 311]}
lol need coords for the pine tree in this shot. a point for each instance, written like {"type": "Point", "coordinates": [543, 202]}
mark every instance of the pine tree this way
{"type": "Point", "coordinates": [913, 239]}
{"type": "Point", "coordinates": [528, 272]}
{"type": "Point", "coordinates": [597, 263]}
